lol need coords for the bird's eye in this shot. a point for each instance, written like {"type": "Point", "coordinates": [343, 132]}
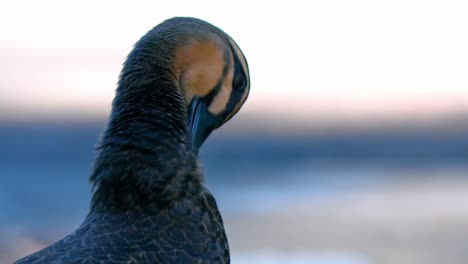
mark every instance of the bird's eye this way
{"type": "Point", "coordinates": [239, 82]}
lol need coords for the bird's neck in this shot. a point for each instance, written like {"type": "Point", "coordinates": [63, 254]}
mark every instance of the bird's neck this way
{"type": "Point", "coordinates": [145, 157]}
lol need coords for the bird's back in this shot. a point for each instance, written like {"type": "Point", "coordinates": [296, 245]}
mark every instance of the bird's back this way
{"type": "Point", "coordinates": [187, 231]}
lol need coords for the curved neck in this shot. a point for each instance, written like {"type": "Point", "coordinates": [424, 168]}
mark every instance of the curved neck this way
{"type": "Point", "coordinates": [145, 157]}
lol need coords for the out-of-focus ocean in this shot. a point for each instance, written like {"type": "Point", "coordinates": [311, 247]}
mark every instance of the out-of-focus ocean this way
{"type": "Point", "coordinates": [338, 197]}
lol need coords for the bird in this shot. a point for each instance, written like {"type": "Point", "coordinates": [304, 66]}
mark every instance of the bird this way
{"type": "Point", "coordinates": [183, 79]}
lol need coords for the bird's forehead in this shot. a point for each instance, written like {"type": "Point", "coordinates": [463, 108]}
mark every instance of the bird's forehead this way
{"type": "Point", "coordinates": [241, 57]}
{"type": "Point", "coordinates": [201, 64]}
{"type": "Point", "coordinates": [245, 69]}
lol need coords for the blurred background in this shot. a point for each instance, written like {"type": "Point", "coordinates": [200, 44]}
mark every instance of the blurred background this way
{"type": "Point", "coordinates": [351, 149]}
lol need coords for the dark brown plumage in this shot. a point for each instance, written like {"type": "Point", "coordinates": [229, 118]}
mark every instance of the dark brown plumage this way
{"type": "Point", "coordinates": [182, 80]}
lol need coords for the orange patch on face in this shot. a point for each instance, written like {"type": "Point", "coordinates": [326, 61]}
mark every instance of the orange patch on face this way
{"type": "Point", "coordinates": [201, 64]}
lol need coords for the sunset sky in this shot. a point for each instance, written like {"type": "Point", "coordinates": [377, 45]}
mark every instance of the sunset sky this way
{"type": "Point", "coordinates": [335, 58]}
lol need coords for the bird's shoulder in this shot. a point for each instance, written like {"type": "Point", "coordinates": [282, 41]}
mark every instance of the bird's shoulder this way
{"type": "Point", "coordinates": [188, 231]}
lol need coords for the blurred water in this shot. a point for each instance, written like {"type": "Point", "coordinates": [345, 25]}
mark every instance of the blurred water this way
{"type": "Point", "coordinates": [297, 258]}
{"type": "Point", "coordinates": [282, 200]}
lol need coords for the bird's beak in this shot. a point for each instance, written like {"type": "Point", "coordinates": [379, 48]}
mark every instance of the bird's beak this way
{"type": "Point", "coordinates": [202, 122]}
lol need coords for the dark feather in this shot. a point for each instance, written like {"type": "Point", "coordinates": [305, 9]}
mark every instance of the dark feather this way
{"type": "Point", "coordinates": [149, 203]}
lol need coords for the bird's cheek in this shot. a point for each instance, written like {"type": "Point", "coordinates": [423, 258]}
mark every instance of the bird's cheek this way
{"type": "Point", "coordinates": [221, 100]}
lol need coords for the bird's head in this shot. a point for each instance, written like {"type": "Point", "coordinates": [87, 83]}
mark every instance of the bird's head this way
{"type": "Point", "coordinates": [193, 58]}
{"type": "Point", "coordinates": [214, 80]}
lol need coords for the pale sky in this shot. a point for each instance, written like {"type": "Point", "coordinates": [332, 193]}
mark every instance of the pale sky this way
{"type": "Point", "coordinates": [305, 57]}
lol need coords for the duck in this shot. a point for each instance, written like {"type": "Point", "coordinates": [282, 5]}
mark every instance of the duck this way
{"type": "Point", "coordinates": [150, 204]}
